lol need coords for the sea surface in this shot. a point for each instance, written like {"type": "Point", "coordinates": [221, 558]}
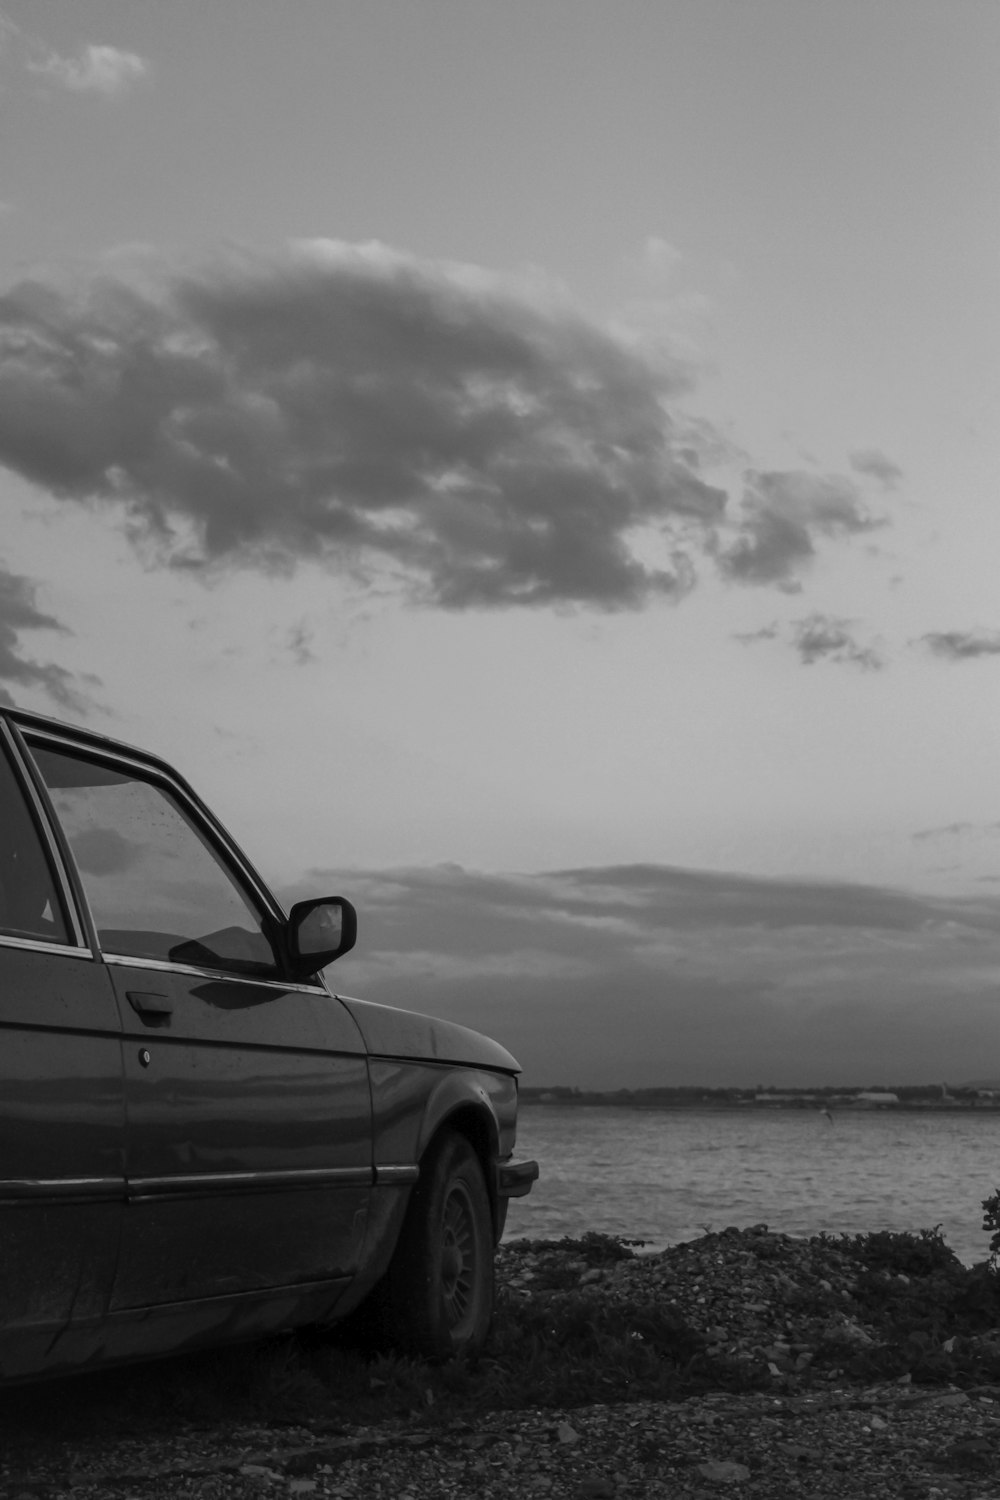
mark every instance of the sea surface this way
{"type": "Point", "coordinates": [664, 1176]}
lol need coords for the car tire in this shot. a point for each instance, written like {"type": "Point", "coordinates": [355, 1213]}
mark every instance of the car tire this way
{"type": "Point", "coordinates": [440, 1283]}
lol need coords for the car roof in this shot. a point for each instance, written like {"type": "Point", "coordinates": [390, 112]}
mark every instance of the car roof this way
{"type": "Point", "coordinates": [92, 740]}
{"type": "Point", "coordinates": [26, 719]}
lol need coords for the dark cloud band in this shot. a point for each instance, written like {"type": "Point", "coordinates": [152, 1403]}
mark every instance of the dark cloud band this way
{"type": "Point", "coordinates": [625, 975]}
{"type": "Point", "coordinates": [357, 406]}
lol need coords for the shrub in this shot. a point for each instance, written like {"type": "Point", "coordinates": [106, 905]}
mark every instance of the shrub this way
{"type": "Point", "coordinates": [903, 1254]}
{"type": "Point", "coordinates": [991, 1222]}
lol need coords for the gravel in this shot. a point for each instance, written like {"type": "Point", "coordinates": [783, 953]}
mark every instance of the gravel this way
{"type": "Point", "coordinates": [793, 1319]}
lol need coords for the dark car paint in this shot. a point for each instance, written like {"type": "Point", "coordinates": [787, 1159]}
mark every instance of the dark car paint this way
{"type": "Point", "coordinates": [62, 1168]}
{"type": "Point", "coordinates": [172, 1172]}
{"type": "Point", "coordinates": [403, 1033]}
{"type": "Point", "coordinates": [251, 1078]}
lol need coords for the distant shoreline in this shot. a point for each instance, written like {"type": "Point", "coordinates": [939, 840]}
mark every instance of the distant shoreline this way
{"type": "Point", "coordinates": [545, 1099]}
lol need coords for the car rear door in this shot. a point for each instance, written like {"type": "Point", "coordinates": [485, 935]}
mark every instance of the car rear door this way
{"type": "Point", "coordinates": [246, 1095]}
{"type": "Point", "coordinates": [62, 1179]}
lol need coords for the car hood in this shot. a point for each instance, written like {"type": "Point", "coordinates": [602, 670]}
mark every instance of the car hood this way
{"type": "Point", "coordinates": [403, 1033]}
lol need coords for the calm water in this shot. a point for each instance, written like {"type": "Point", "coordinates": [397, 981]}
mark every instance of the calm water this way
{"type": "Point", "coordinates": [666, 1176]}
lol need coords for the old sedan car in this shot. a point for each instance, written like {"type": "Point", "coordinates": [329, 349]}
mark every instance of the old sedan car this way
{"type": "Point", "coordinates": [199, 1142]}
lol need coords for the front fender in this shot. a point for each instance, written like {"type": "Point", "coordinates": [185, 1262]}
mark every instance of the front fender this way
{"type": "Point", "coordinates": [412, 1101]}
{"type": "Point", "coordinates": [405, 1034]}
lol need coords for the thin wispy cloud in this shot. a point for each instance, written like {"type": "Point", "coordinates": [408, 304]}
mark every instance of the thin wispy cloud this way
{"type": "Point", "coordinates": [10, 35]}
{"type": "Point", "coordinates": [962, 645]}
{"type": "Point", "coordinates": [820, 637]}
{"type": "Point", "coordinates": [299, 644]}
{"type": "Point", "coordinates": [106, 71]}
{"type": "Point", "coordinates": [359, 407]}
{"type": "Point", "coordinates": [826, 638]}
{"type": "Point", "coordinates": [957, 830]}
{"type": "Point", "coordinates": [96, 69]}
{"type": "Point", "coordinates": [19, 612]}
{"type": "Point", "coordinates": [873, 462]}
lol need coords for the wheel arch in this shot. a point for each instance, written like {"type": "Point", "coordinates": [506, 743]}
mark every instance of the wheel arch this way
{"type": "Point", "coordinates": [464, 1106]}
{"type": "Point", "coordinates": [416, 1109]}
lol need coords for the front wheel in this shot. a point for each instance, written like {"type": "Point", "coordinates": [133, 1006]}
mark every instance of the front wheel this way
{"type": "Point", "coordinates": [440, 1283]}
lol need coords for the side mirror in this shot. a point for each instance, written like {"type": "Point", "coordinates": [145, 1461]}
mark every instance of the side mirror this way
{"type": "Point", "coordinates": [318, 932]}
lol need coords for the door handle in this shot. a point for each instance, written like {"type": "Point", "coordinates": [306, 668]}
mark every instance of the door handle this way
{"type": "Point", "coordinates": [149, 1006]}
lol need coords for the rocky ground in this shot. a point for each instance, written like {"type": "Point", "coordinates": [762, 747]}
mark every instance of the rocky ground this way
{"type": "Point", "coordinates": [744, 1364]}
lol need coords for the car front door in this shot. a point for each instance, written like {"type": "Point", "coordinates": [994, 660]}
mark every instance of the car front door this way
{"type": "Point", "coordinates": [62, 1137]}
{"type": "Point", "coordinates": [247, 1100]}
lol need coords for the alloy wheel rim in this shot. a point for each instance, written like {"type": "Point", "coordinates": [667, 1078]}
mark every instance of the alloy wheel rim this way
{"type": "Point", "coordinates": [458, 1257]}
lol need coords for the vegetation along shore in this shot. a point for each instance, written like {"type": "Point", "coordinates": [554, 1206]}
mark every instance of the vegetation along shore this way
{"type": "Point", "coordinates": [742, 1363]}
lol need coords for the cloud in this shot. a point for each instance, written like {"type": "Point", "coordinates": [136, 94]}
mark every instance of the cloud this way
{"type": "Point", "coordinates": [633, 975]}
{"type": "Point", "coordinates": [958, 830]}
{"type": "Point", "coordinates": [946, 830]}
{"type": "Point", "coordinates": [765, 633]}
{"type": "Point", "coordinates": [819, 637]}
{"type": "Point", "coordinates": [962, 645]}
{"type": "Point", "coordinates": [874, 463]}
{"type": "Point", "coordinates": [659, 259]}
{"type": "Point", "coordinates": [96, 70]}
{"type": "Point", "coordinates": [352, 406]}
{"type": "Point", "coordinates": [299, 642]}
{"type": "Point", "coordinates": [783, 512]}
{"type": "Point", "coordinates": [825, 638]}
{"type": "Point", "coordinates": [19, 612]}
{"type": "Point", "coordinates": [393, 965]}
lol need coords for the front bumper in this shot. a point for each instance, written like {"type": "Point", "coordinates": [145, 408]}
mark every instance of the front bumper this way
{"type": "Point", "coordinates": [514, 1178]}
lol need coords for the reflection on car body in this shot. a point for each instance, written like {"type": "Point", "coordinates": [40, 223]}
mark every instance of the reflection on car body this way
{"type": "Point", "coordinates": [198, 1141]}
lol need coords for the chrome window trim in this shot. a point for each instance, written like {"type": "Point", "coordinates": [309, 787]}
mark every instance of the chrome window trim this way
{"type": "Point", "coordinates": [49, 842]}
{"type": "Point", "coordinates": [39, 946]}
{"type": "Point", "coordinates": [59, 1189]}
{"type": "Point", "coordinates": [225, 976]}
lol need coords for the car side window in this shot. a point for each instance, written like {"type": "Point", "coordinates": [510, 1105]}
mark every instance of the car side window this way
{"type": "Point", "coordinates": [156, 886]}
{"type": "Point", "coordinates": [29, 900]}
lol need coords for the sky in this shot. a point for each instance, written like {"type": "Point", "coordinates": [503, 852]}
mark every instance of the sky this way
{"type": "Point", "coordinates": [534, 469]}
